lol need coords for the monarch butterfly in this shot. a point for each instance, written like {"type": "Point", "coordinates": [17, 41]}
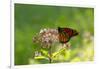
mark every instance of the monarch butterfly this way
{"type": "Point", "coordinates": [65, 34]}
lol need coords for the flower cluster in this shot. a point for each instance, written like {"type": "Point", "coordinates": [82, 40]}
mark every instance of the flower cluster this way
{"type": "Point", "coordinates": [46, 37]}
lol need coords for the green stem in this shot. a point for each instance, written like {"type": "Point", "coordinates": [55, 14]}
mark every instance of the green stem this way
{"type": "Point", "coordinates": [50, 55]}
{"type": "Point", "coordinates": [50, 60]}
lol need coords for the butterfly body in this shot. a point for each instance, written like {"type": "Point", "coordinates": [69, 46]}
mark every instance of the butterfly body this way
{"type": "Point", "coordinates": [65, 34]}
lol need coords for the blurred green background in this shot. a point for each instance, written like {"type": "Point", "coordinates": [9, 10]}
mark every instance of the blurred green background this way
{"type": "Point", "coordinates": [29, 19]}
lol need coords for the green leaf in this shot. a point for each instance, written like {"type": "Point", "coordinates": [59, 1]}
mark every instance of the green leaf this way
{"type": "Point", "coordinates": [45, 53]}
{"type": "Point", "coordinates": [40, 57]}
{"type": "Point", "coordinates": [58, 52]}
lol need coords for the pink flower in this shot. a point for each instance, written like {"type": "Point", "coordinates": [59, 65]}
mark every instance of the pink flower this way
{"type": "Point", "coordinates": [46, 37]}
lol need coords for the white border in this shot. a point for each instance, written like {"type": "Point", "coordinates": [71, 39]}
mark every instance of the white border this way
{"type": "Point", "coordinates": [75, 3]}
{"type": "Point", "coordinates": [4, 34]}
{"type": "Point", "coordinates": [78, 3]}
{"type": "Point", "coordinates": [12, 35]}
